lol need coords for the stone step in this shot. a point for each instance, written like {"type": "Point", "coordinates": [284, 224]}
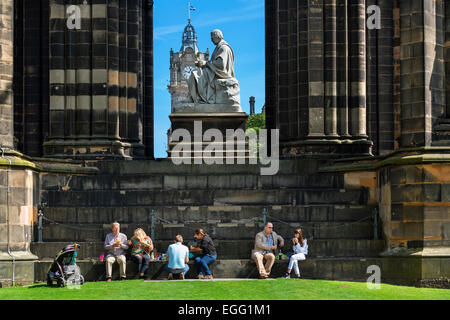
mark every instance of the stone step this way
{"type": "Point", "coordinates": [344, 269]}
{"type": "Point", "coordinates": [171, 181]}
{"type": "Point", "coordinates": [225, 231]}
{"type": "Point", "coordinates": [200, 197]}
{"type": "Point", "coordinates": [297, 166]}
{"type": "Point", "coordinates": [232, 249]}
{"type": "Point", "coordinates": [205, 214]}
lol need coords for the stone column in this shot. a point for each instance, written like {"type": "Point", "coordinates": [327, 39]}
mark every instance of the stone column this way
{"type": "Point", "coordinates": [447, 55]}
{"type": "Point", "coordinates": [414, 188]}
{"type": "Point", "coordinates": [31, 75]}
{"type": "Point", "coordinates": [96, 107]}
{"type": "Point", "coordinates": [70, 81]}
{"type": "Point", "coordinates": [271, 46]}
{"type": "Point", "coordinates": [101, 75]}
{"type": "Point", "coordinates": [422, 70]}
{"type": "Point", "coordinates": [357, 57]}
{"type": "Point", "coordinates": [17, 199]}
{"type": "Point", "coordinates": [385, 80]}
{"type": "Point", "coordinates": [316, 69]}
{"type": "Point", "coordinates": [123, 67]}
{"type": "Point", "coordinates": [148, 79]}
{"type": "Point", "coordinates": [342, 75]}
{"type": "Point", "coordinates": [113, 68]}
{"type": "Point", "coordinates": [330, 52]}
{"type": "Point", "coordinates": [6, 74]}
{"type": "Point", "coordinates": [308, 90]}
{"type": "Point", "coordinates": [134, 33]}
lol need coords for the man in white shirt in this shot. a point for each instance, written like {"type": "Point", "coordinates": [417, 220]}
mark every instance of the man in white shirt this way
{"type": "Point", "coordinates": [178, 255]}
{"type": "Point", "coordinates": [115, 244]}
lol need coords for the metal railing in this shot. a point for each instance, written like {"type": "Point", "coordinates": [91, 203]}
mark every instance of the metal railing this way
{"type": "Point", "coordinates": [154, 219]}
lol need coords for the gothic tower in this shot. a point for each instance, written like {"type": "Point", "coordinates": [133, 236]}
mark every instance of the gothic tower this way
{"type": "Point", "coordinates": [182, 64]}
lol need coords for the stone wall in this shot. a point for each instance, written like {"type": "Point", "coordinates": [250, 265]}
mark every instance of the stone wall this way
{"type": "Point", "coordinates": [6, 73]}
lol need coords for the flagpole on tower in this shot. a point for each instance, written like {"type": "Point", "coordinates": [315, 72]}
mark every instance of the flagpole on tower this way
{"type": "Point", "coordinates": [190, 8]}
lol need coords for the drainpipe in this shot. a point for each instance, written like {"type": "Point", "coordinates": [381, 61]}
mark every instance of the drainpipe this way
{"type": "Point", "coordinates": [9, 218]}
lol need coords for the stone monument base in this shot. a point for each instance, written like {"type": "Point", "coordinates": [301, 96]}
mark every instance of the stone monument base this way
{"type": "Point", "coordinates": [196, 123]}
{"type": "Point", "coordinates": [191, 107]}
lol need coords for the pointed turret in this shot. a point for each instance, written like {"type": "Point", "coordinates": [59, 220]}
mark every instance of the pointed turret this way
{"type": "Point", "coordinates": [189, 38]}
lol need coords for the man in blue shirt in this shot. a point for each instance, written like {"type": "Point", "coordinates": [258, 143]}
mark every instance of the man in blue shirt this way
{"type": "Point", "coordinates": [178, 255]}
{"type": "Point", "coordinates": [266, 242]}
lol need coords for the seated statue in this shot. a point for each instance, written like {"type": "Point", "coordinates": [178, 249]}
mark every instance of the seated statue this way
{"type": "Point", "coordinates": [214, 82]}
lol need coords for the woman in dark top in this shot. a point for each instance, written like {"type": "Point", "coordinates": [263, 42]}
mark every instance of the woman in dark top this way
{"type": "Point", "coordinates": [207, 254]}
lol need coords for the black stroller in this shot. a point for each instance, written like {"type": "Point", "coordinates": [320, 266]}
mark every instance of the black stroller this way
{"type": "Point", "coordinates": [64, 269]}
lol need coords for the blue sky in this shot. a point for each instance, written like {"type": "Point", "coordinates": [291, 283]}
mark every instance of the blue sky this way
{"type": "Point", "coordinates": [242, 24]}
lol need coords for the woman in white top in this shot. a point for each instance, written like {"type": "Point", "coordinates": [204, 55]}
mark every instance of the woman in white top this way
{"type": "Point", "coordinates": [300, 246]}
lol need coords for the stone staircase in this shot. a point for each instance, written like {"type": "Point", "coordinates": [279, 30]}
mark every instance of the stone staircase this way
{"type": "Point", "coordinates": [228, 202]}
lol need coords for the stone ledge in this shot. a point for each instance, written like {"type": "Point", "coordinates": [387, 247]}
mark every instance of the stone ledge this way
{"type": "Point", "coordinates": [207, 108]}
{"type": "Point", "coordinates": [18, 256]}
{"type": "Point", "coordinates": [417, 253]}
{"type": "Point", "coordinates": [21, 161]}
{"type": "Point", "coordinates": [411, 156]}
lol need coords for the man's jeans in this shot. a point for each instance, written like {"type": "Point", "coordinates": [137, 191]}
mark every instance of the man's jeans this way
{"type": "Point", "coordinates": [177, 271]}
{"type": "Point", "coordinates": [143, 262]}
{"type": "Point", "coordinates": [201, 263]}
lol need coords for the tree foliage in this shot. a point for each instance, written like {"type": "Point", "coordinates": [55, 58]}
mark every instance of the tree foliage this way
{"type": "Point", "coordinates": [256, 121]}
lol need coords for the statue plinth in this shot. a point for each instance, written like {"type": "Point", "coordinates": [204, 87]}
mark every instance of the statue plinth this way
{"type": "Point", "coordinates": [211, 116]}
{"type": "Point", "coordinates": [215, 104]}
{"type": "Point", "coordinates": [207, 108]}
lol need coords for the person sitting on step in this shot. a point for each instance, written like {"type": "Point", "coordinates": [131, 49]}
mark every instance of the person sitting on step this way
{"type": "Point", "coordinates": [141, 248]}
{"type": "Point", "coordinates": [266, 242]}
{"type": "Point", "coordinates": [204, 247]}
{"type": "Point", "coordinates": [178, 256]}
{"type": "Point", "coordinates": [115, 244]}
{"type": "Point", "coordinates": [300, 246]}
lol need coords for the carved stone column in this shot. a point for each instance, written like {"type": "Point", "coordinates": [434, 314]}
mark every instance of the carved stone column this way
{"type": "Point", "coordinates": [316, 108]}
{"type": "Point", "coordinates": [358, 107]}
{"type": "Point", "coordinates": [342, 65]}
{"type": "Point", "coordinates": [6, 74]}
{"type": "Point", "coordinates": [96, 76]}
{"type": "Point", "coordinates": [316, 92]}
{"type": "Point", "coordinates": [422, 69]}
{"type": "Point", "coordinates": [331, 85]}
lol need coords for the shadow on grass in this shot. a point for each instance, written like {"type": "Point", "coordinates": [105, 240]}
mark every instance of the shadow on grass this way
{"type": "Point", "coordinates": [40, 286]}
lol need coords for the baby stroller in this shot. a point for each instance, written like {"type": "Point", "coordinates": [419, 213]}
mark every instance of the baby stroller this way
{"type": "Point", "coordinates": [64, 269]}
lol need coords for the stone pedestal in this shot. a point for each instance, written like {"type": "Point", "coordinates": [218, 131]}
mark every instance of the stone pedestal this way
{"type": "Point", "coordinates": [19, 193]}
{"type": "Point", "coordinates": [198, 119]}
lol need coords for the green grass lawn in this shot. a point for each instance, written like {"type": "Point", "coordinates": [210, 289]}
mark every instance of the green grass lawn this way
{"type": "Point", "coordinates": [279, 289]}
